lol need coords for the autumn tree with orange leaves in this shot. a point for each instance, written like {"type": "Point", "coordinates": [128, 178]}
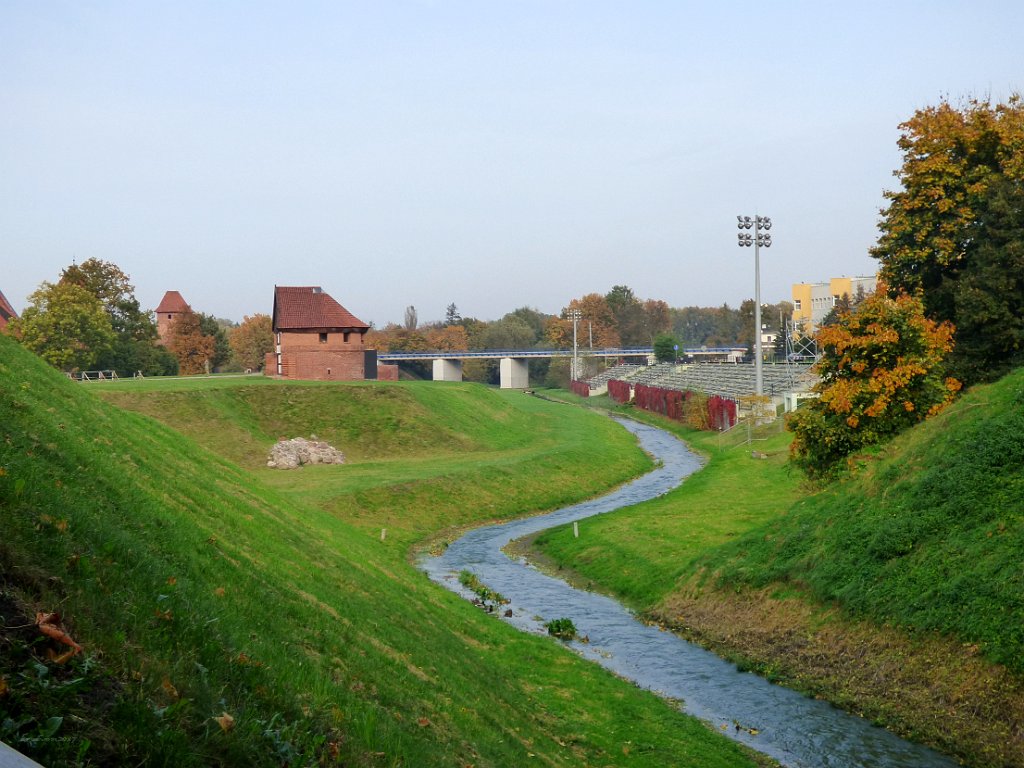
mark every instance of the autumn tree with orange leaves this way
{"type": "Point", "coordinates": [189, 344]}
{"type": "Point", "coordinates": [882, 370]}
{"type": "Point", "coordinates": [252, 341]}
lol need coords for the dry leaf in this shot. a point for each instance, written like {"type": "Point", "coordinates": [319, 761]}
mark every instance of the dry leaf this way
{"type": "Point", "coordinates": [168, 686]}
{"type": "Point", "coordinates": [423, 722]}
{"type": "Point", "coordinates": [225, 721]}
{"type": "Point", "coordinates": [3, 686]}
{"type": "Point", "coordinates": [219, 591]}
{"type": "Point", "coordinates": [48, 624]}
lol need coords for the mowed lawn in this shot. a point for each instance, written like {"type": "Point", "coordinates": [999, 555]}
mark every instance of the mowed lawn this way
{"type": "Point", "coordinates": [234, 615]}
{"type": "Point", "coordinates": [641, 552]}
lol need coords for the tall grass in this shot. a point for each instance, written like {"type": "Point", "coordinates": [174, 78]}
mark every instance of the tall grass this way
{"type": "Point", "coordinates": [201, 585]}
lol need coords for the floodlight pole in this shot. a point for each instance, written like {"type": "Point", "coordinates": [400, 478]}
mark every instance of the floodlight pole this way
{"type": "Point", "coordinates": [757, 240]}
{"type": "Point", "coordinates": [575, 315]}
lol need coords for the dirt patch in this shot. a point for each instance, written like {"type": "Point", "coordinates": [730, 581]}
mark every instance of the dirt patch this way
{"type": "Point", "coordinates": [925, 687]}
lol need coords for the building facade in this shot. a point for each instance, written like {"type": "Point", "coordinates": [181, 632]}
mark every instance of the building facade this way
{"type": "Point", "coordinates": [316, 338]}
{"type": "Point", "coordinates": [7, 312]}
{"type": "Point", "coordinates": [813, 301]}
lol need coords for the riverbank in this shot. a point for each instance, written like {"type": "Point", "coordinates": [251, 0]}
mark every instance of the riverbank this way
{"type": "Point", "coordinates": [937, 688]}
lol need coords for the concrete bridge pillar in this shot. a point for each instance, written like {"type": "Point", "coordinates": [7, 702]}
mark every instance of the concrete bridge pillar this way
{"type": "Point", "coordinates": [447, 370]}
{"type": "Point", "coordinates": [515, 372]}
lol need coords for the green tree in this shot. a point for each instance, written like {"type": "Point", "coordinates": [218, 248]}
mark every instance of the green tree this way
{"type": "Point", "coordinates": [135, 347]}
{"type": "Point", "coordinates": [882, 369]}
{"type": "Point", "coordinates": [217, 329]}
{"type": "Point", "coordinates": [66, 325]}
{"type": "Point", "coordinates": [252, 341]}
{"type": "Point", "coordinates": [665, 348]}
{"type": "Point", "coordinates": [630, 320]}
{"type": "Point", "coordinates": [934, 226]}
{"type": "Point", "coordinates": [989, 294]}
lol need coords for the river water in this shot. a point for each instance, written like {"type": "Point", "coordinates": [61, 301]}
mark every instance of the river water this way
{"type": "Point", "coordinates": [795, 730]}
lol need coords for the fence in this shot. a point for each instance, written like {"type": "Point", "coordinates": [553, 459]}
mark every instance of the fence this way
{"type": "Point", "coordinates": [679, 405]}
{"type": "Point", "coordinates": [94, 376]}
{"type": "Point", "coordinates": [581, 388]}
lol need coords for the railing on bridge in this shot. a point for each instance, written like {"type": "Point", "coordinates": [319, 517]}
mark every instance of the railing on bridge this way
{"type": "Point", "coordinates": [447, 354]}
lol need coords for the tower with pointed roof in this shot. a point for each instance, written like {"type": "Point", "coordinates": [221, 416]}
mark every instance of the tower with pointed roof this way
{"type": "Point", "coordinates": [167, 312]}
{"type": "Point", "coordinates": [317, 338]}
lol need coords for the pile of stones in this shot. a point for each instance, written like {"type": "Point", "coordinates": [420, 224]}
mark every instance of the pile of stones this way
{"type": "Point", "coordinates": [291, 454]}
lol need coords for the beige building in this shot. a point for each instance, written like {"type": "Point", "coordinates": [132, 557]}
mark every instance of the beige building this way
{"type": "Point", "coordinates": [812, 301]}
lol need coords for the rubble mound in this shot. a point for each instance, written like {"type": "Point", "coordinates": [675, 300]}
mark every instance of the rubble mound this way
{"type": "Point", "coordinates": [292, 454]}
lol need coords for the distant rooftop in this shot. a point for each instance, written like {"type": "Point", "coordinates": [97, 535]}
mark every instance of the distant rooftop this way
{"type": "Point", "coordinates": [173, 302]}
{"type": "Point", "coordinates": [6, 310]}
{"type": "Point", "coordinates": [308, 307]}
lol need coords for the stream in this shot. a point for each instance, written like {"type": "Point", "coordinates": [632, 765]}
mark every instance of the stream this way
{"type": "Point", "coordinates": [795, 730]}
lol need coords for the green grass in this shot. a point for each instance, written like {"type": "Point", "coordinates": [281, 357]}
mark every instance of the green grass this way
{"type": "Point", "coordinates": [640, 553]}
{"type": "Point", "coordinates": [201, 583]}
{"type": "Point", "coordinates": [929, 536]}
{"type": "Point", "coordinates": [896, 593]}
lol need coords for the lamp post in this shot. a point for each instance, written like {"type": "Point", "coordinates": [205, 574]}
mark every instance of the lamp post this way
{"type": "Point", "coordinates": [575, 315]}
{"type": "Point", "coordinates": [758, 223]}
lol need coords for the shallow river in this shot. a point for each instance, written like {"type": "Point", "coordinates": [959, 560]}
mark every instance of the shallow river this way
{"type": "Point", "coordinates": [794, 729]}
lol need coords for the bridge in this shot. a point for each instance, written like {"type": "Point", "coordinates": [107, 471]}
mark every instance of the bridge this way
{"type": "Point", "coordinates": [514, 363]}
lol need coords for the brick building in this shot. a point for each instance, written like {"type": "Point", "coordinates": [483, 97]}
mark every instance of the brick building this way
{"type": "Point", "coordinates": [6, 311]}
{"type": "Point", "coordinates": [170, 307]}
{"type": "Point", "coordinates": [317, 338]}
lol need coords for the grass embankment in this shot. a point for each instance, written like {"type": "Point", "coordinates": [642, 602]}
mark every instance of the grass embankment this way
{"type": "Point", "coordinates": [897, 593]}
{"type": "Point", "coordinates": [226, 620]}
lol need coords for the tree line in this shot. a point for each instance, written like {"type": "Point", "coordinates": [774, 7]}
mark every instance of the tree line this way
{"type": "Point", "coordinates": [90, 319]}
{"type": "Point", "coordinates": [618, 318]}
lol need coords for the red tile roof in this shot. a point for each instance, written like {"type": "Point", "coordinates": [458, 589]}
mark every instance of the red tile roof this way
{"type": "Point", "coordinates": [309, 307]}
{"type": "Point", "coordinates": [173, 302]}
{"type": "Point", "coordinates": [6, 310]}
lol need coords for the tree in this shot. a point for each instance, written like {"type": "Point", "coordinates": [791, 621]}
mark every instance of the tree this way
{"type": "Point", "coordinates": [665, 345]}
{"type": "Point", "coordinates": [657, 317]}
{"type": "Point", "coordinates": [217, 328]}
{"type": "Point", "coordinates": [989, 294]}
{"type": "Point", "coordinates": [842, 307]}
{"type": "Point", "coordinates": [411, 319]}
{"type": "Point", "coordinates": [451, 315]}
{"type": "Point", "coordinates": [66, 325]}
{"type": "Point", "coordinates": [451, 338]}
{"type": "Point", "coordinates": [135, 347]}
{"type": "Point", "coordinates": [934, 227]}
{"type": "Point", "coordinates": [252, 341]}
{"type": "Point", "coordinates": [187, 342]}
{"type": "Point", "coordinates": [882, 370]}
{"type": "Point", "coordinates": [596, 318]}
{"type": "Point", "coordinates": [108, 283]}
{"type": "Point", "coordinates": [630, 320]}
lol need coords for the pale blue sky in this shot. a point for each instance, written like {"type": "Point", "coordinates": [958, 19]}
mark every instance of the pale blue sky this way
{"type": "Point", "coordinates": [492, 154]}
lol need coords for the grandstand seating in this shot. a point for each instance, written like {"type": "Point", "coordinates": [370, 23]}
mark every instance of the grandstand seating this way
{"type": "Point", "coordinates": [727, 379]}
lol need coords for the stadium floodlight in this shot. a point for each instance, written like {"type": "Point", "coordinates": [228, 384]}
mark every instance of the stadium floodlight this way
{"type": "Point", "coordinates": [759, 239]}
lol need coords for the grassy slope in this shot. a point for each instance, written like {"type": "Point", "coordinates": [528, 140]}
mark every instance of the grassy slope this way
{"type": "Point", "coordinates": [898, 593]}
{"type": "Point", "coordinates": [198, 589]}
{"type": "Point", "coordinates": [641, 553]}
{"type": "Point", "coordinates": [929, 536]}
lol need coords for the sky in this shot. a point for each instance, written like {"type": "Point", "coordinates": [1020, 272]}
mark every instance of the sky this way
{"type": "Point", "coordinates": [493, 154]}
